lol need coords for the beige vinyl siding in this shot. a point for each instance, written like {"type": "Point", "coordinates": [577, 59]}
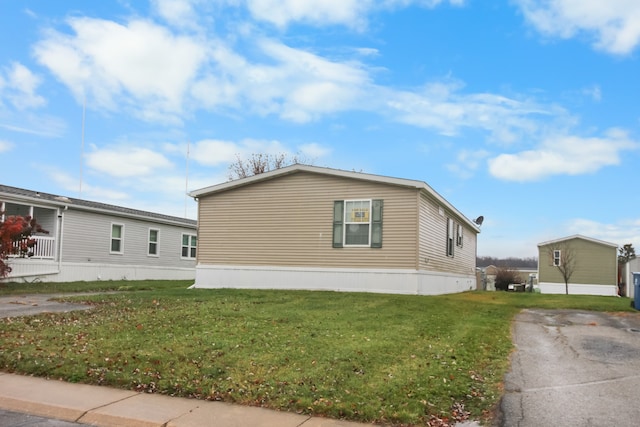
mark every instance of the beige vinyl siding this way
{"type": "Point", "coordinates": [87, 238]}
{"type": "Point", "coordinates": [595, 263]}
{"type": "Point", "coordinates": [288, 221]}
{"type": "Point", "coordinates": [433, 240]}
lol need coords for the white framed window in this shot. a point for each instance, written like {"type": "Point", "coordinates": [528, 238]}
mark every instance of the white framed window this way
{"type": "Point", "coordinates": [189, 243]}
{"type": "Point", "coordinates": [117, 238]}
{"type": "Point", "coordinates": [450, 236]}
{"type": "Point", "coordinates": [153, 248]}
{"type": "Point", "coordinates": [357, 223]}
{"type": "Point", "coordinates": [557, 257]}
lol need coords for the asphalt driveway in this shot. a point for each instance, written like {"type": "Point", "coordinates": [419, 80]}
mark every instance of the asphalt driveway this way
{"type": "Point", "coordinates": [573, 368]}
{"type": "Point", "coordinates": [27, 305]}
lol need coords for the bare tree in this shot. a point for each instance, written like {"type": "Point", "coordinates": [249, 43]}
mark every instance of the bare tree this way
{"type": "Point", "coordinates": [626, 253]}
{"type": "Point", "coordinates": [260, 163]}
{"type": "Point", "coordinates": [564, 257]}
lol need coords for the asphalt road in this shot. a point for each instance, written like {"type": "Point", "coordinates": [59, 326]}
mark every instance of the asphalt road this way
{"type": "Point", "coordinates": [573, 368]}
{"type": "Point", "coordinates": [15, 419]}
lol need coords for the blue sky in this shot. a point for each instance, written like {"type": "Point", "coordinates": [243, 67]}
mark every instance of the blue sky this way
{"type": "Point", "coordinates": [524, 111]}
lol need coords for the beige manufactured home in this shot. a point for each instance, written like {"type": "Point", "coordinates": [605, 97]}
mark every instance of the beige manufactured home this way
{"type": "Point", "coordinates": [306, 227]}
{"type": "Point", "coordinates": [592, 263]}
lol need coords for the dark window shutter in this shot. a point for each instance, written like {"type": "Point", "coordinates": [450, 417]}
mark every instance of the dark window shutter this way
{"type": "Point", "coordinates": [338, 223]}
{"type": "Point", "coordinates": [376, 224]}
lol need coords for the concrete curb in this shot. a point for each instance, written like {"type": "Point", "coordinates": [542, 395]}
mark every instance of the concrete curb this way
{"type": "Point", "coordinates": [108, 407]}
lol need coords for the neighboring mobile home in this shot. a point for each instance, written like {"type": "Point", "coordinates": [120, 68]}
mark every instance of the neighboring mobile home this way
{"type": "Point", "coordinates": [526, 276]}
{"type": "Point", "coordinates": [592, 264]}
{"type": "Point", "coordinates": [632, 266]}
{"type": "Point", "coordinates": [94, 241]}
{"type": "Point", "coordinates": [306, 227]}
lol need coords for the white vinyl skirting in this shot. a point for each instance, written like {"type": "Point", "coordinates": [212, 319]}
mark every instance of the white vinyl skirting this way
{"type": "Point", "coordinates": [578, 289]}
{"type": "Point", "coordinates": [392, 281]}
{"type": "Point", "coordinates": [50, 271]}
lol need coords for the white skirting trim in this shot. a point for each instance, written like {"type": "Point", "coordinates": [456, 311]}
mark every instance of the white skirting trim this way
{"type": "Point", "coordinates": [578, 289]}
{"type": "Point", "coordinates": [411, 282]}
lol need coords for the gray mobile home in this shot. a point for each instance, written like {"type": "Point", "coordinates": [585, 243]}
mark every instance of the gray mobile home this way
{"type": "Point", "coordinates": [95, 241]}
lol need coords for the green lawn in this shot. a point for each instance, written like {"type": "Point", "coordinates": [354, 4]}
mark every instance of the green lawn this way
{"type": "Point", "coordinates": [367, 357]}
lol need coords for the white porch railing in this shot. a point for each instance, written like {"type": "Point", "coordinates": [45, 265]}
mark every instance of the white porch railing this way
{"type": "Point", "coordinates": [45, 247]}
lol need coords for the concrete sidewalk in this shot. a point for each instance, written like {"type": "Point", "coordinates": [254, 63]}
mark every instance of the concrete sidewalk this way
{"type": "Point", "coordinates": [103, 406]}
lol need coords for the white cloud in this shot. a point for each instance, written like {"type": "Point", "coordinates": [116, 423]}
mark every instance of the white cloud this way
{"type": "Point", "coordinates": [42, 125]}
{"type": "Point", "coordinates": [594, 92]}
{"type": "Point", "coordinates": [212, 152]}
{"type": "Point", "coordinates": [126, 67]}
{"type": "Point", "coordinates": [296, 85]}
{"type": "Point", "coordinates": [161, 193]}
{"type": "Point", "coordinates": [562, 155]}
{"type": "Point", "coordinates": [316, 85]}
{"type": "Point", "coordinates": [313, 151]}
{"type": "Point", "coordinates": [442, 106]}
{"type": "Point", "coordinates": [5, 146]}
{"type": "Point", "coordinates": [622, 232]}
{"type": "Point", "coordinates": [72, 187]}
{"type": "Point", "coordinates": [615, 24]}
{"type": "Point", "coordinates": [144, 68]}
{"type": "Point", "coordinates": [467, 162]}
{"type": "Point", "coordinates": [126, 161]}
{"type": "Point", "coordinates": [281, 12]}
{"type": "Point", "coordinates": [177, 12]}
{"type": "Point", "coordinates": [19, 87]}
{"type": "Point", "coordinates": [350, 13]}
{"type": "Point", "coordinates": [140, 65]}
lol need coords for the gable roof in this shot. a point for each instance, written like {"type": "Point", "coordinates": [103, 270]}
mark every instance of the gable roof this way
{"type": "Point", "coordinates": [577, 236]}
{"type": "Point", "coordinates": [297, 168]}
{"type": "Point", "coordinates": [38, 198]}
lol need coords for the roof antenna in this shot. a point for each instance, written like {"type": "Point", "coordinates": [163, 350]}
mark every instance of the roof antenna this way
{"type": "Point", "coordinates": [479, 220]}
{"type": "Point", "coordinates": [84, 103]}
{"type": "Point", "coordinates": [186, 181]}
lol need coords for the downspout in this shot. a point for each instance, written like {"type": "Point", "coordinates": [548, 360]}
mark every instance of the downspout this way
{"type": "Point", "coordinates": [60, 237]}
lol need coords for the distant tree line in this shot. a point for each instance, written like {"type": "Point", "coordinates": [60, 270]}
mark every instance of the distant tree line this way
{"type": "Point", "coordinates": [511, 262]}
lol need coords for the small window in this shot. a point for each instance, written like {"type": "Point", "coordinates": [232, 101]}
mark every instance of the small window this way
{"type": "Point", "coordinates": [189, 245]}
{"type": "Point", "coordinates": [557, 257]}
{"type": "Point", "coordinates": [459, 236]}
{"type": "Point", "coordinates": [450, 237]}
{"type": "Point", "coordinates": [117, 238]}
{"type": "Point", "coordinates": [154, 236]}
{"type": "Point", "coordinates": [357, 223]}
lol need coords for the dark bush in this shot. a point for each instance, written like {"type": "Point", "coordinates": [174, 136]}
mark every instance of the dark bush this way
{"type": "Point", "coordinates": [505, 277]}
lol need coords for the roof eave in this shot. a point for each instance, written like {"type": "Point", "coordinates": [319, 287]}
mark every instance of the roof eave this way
{"type": "Point", "coordinates": [577, 236]}
{"type": "Point", "coordinates": [69, 203]}
{"type": "Point", "coordinates": [419, 185]}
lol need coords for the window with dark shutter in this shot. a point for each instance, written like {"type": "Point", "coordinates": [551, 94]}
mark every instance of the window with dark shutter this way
{"type": "Point", "coordinates": [338, 223]}
{"type": "Point", "coordinates": [357, 223]}
{"type": "Point", "coordinates": [450, 237]}
{"type": "Point", "coordinates": [376, 224]}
